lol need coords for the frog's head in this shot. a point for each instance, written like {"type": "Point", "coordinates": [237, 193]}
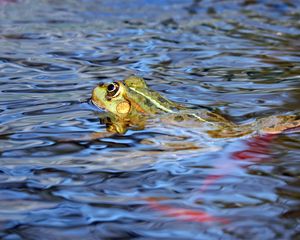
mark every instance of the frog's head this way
{"type": "Point", "coordinates": [131, 96]}
{"type": "Point", "coordinates": [111, 97]}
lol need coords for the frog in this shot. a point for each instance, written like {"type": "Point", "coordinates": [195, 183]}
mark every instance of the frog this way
{"type": "Point", "coordinates": [131, 102]}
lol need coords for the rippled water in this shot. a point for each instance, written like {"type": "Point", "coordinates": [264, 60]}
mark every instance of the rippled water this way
{"type": "Point", "coordinates": [62, 177]}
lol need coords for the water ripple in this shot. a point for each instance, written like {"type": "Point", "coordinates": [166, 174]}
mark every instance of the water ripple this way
{"type": "Point", "coordinates": [63, 176]}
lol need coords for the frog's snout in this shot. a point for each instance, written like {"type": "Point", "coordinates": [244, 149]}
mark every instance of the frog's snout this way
{"type": "Point", "coordinates": [97, 97]}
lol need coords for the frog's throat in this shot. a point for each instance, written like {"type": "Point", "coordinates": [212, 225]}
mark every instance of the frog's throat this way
{"type": "Point", "coordinates": [156, 103]}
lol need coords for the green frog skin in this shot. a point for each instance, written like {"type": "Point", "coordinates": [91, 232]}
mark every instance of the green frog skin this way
{"type": "Point", "coordinates": [130, 102]}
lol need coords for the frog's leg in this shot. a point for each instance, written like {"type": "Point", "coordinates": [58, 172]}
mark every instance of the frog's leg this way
{"type": "Point", "coordinates": [266, 125]}
{"type": "Point", "coordinates": [277, 124]}
{"type": "Point", "coordinates": [231, 131]}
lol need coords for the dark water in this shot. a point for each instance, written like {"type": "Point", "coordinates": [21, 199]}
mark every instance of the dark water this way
{"type": "Point", "coordinates": [58, 180]}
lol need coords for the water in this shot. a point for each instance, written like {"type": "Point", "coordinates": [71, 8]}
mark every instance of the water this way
{"type": "Point", "coordinates": [63, 177]}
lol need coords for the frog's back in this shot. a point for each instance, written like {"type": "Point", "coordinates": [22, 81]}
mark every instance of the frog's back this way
{"type": "Point", "coordinates": [148, 97]}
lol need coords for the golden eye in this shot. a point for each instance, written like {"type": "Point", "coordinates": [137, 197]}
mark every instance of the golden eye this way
{"type": "Point", "coordinates": [112, 90]}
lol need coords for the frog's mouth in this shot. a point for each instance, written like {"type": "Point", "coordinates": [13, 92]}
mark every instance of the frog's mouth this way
{"type": "Point", "coordinates": [96, 104]}
{"type": "Point", "coordinates": [96, 98]}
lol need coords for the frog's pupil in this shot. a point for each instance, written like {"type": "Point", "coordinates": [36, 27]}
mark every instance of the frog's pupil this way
{"type": "Point", "coordinates": [111, 87]}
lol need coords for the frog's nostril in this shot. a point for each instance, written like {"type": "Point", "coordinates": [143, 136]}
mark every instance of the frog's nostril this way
{"type": "Point", "coordinates": [100, 84]}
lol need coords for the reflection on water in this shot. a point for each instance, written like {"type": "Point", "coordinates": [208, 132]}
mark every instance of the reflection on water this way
{"type": "Point", "coordinates": [62, 176]}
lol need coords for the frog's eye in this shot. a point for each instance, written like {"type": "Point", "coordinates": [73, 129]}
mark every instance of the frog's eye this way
{"type": "Point", "coordinates": [112, 89]}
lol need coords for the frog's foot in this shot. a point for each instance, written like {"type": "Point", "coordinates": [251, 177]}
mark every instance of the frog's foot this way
{"type": "Point", "coordinates": [278, 124]}
{"type": "Point", "coordinates": [230, 133]}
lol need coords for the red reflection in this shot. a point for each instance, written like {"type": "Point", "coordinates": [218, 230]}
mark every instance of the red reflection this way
{"type": "Point", "coordinates": [190, 215]}
{"type": "Point", "coordinates": [257, 150]}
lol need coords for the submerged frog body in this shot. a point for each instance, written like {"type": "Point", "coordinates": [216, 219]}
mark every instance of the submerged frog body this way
{"type": "Point", "coordinates": [131, 102]}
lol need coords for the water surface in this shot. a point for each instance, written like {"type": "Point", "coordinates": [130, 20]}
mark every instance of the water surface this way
{"type": "Point", "coordinates": [58, 180]}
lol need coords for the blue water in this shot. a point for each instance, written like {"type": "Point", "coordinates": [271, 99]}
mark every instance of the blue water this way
{"type": "Point", "coordinates": [63, 177]}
